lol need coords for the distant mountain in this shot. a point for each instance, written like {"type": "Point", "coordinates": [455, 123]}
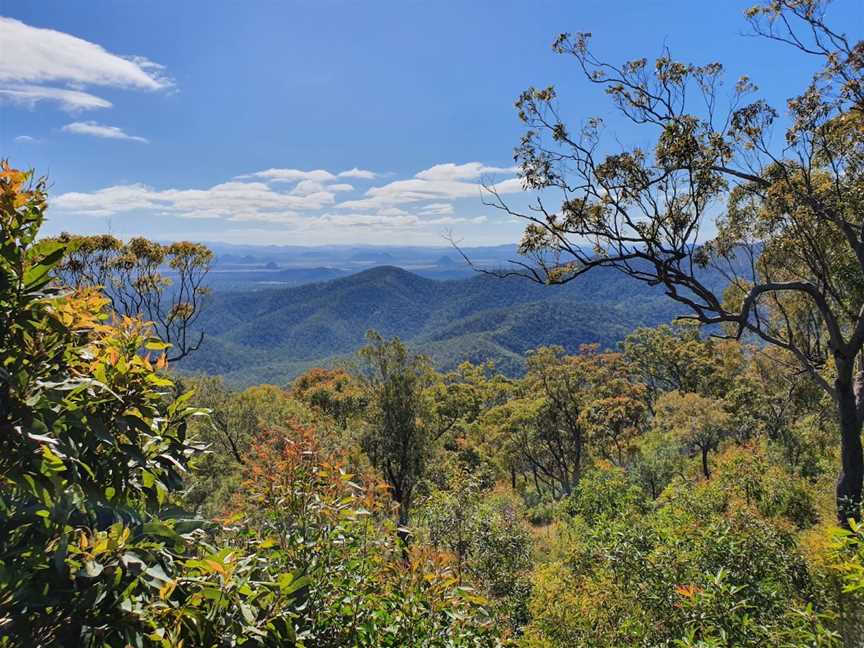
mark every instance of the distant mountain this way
{"type": "Point", "coordinates": [272, 335]}
{"type": "Point", "coordinates": [223, 278]}
{"type": "Point", "coordinates": [375, 256]}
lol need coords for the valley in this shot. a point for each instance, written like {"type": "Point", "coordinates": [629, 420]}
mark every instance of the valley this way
{"type": "Point", "coordinates": [261, 334]}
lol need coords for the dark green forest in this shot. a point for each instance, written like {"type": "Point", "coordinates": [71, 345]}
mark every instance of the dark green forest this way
{"type": "Point", "coordinates": [634, 435]}
{"type": "Point", "coordinates": [273, 335]}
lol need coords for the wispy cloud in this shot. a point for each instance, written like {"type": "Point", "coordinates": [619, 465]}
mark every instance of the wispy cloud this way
{"type": "Point", "coordinates": [101, 130]}
{"type": "Point", "coordinates": [441, 182]}
{"type": "Point", "coordinates": [25, 139]}
{"type": "Point", "coordinates": [317, 175]}
{"type": "Point", "coordinates": [308, 199]}
{"type": "Point", "coordinates": [362, 174]}
{"type": "Point", "coordinates": [69, 100]}
{"type": "Point", "coordinates": [291, 175]}
{"type": "Point", "coordinates": [48, 65]}
{"type": "Point", "coordinates": [437, 209]}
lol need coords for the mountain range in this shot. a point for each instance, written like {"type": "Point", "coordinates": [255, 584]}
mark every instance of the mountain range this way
{"type": "Point", "coordinates": [253, 267]}
{"type": "Point", "coordinates": [272, 335]}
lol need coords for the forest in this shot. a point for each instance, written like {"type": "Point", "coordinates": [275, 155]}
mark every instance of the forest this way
{"type": "Point", "coordinates": [692, 478]}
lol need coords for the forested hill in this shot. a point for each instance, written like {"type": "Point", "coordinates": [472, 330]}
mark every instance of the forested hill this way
{"type": "Point", "coordinates": [272, 335]}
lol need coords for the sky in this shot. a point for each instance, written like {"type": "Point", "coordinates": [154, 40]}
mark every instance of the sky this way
{"type": "Point", "coordinates": [310, 122]}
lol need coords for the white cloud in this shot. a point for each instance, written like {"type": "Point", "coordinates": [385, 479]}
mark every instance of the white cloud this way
{"type": "Point", "coordinates": [437, 209]}
{"type": "Point", "coordinates": [108, 201]}
{"type": "Point", "coordinates": [236, 201]}
{"type": "Point", "coordinates": [33, 57]}
{"type": "Point", "coordinates": [388, 220]}
{"type": "Point", "coordinates": [292, 175]}
{"type": "Point", "coordinates": [308, 187]}
{"type": "Point", "coordinates": [467, 171]}
{"type": "Point", "coordinates": [304, 199]}
{"type": "Point", "coordinates": [441, 182]}
{"type": "Point", "coordinates": [511, 185]}
{"type": "Point", "coordinates": [100, 130]}
{"type": "Point", "coordinates": [25, 139]}
{"type": "Point", "coordinates": [378, 220]}
{"type": "Point", "coordinates": [69, 100]}
{"type": "Point", "coordinates": [362, 174]}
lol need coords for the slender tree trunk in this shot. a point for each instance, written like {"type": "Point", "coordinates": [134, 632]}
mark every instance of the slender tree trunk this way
{"type": "Point", "coordinates": [536, 481]}
{"type": "Point", "coordinates": [849, 481]}
{"type": "Point", "coordinates": [565, 482]}
{"type": "Point", "coordinates": [404, 507]}
{"type": "Point", "coordinates": [705, 470]}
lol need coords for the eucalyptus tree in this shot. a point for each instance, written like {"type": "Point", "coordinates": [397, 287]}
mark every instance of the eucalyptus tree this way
{"type": "Point", "coordinates": [163, 283]}
{"type": "Point", "coordinates": [397, 438]}
{"type": "Point", "coordinates": [790, 240]}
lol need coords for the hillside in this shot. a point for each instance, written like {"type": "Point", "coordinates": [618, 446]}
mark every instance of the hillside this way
{"type": "Point", "coordinates": [272, 335]}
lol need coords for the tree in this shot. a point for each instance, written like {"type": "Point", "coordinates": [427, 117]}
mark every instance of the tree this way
{"type": "Point", "coordinates": [666, 357]}
{"type": "Point", "coordinates": [541, 423]}
{"type": "Point", "coordinates": [333, 392]}
{"type": "Point", "coordinates": [236, 420]}
{"type": "Point", "coordinates": [615, 412]}
{"type": "Point", "coordinates": [238, 417]}
{"type": "Point", "coordinates": [562, 408]}
{"type": "Point", "coordinates": [696, 421]}
{"type": "Point", "coordinates": [162, 283]}
{"type": "Point", "coordinates": [791, 244]}
{"type": "Point", "coordinates": [91, 446]}
{"type": "Point", "coordinates": [396, 440]}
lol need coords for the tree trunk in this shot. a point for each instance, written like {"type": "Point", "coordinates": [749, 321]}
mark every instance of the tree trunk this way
{"type": "Point", "coordinates": [536, 481]}
{"type": "Point", "coordinates": [705, 470]}
{"type": "Point", "coordinates": [849, 481]}
{"type": "Point", "coordinates": [402, 531]}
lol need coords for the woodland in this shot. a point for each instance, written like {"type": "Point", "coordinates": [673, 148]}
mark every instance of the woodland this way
{"type": "Point", "coordinates": [691, 478]}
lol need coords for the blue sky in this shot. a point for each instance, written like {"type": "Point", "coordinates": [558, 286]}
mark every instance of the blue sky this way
{"type": "Point", "coordinates": [326, 121]}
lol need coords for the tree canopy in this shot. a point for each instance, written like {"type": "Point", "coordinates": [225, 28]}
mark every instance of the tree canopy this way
{"type": "Point", "coordinates": [789, 242]}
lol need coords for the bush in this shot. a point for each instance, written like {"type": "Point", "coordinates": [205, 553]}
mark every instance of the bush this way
{"type": "Point", "coordinates": [686, 572]}
{"type": "Point", "coordinates": [487, 538]}
{"type": "Point", "coordinates": [307, 516]}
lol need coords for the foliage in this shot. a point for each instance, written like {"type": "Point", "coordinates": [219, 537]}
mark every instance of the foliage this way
{"type": "Point", "coordinates": [93, 552]}
{"type": "Point", "coordinates": [162, 283]}
{"type": "Point", "coordinates": [487, 538]}
{"type": "Point", "coordinates": [791, 242]}
{"type": "Point", "coordinates": [678, 357]}
{"type": "Point", "coordinates": [694, 421]}
{"type": "Point", "coordinates": [684, 573]}
{"type": "Point", "coordinates": [332, 392]}
{"type": "Point", "coordinates": [306, 515]}
{"type": "Point", "coordinates": [398, 439]}
{"type": "Point", "coordinates": [565, 409]}
{"type": "Point", "coordinates": [235, 421]}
